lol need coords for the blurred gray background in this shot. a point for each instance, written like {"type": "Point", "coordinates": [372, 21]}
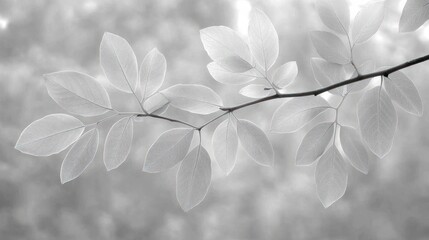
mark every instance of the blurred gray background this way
{"type": "Point", "coordinates": [253, 202]}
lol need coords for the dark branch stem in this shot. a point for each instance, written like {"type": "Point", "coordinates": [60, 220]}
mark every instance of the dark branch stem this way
{"type": "Point", "coordinates": [167, 119]}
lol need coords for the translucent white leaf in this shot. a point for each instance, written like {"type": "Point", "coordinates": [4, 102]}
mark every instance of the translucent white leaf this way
{"type": "Point", "coordinates": [367, 22]}
{"type": "Point", "coordinates": [226, 77]}
{"type": "Point", "coordinates": [296, 113]}
{"type": "Point", "coordinates": [152, 72]}
{"type": "Point", "coordinates": [331, 177]}
{"type": "Point", "coordinates": [225, 143]}
{"type": "Point", "coordinates": [335, 14]}
{"type": "Point", "coordinates": [353, 147]}
{"type": "Point", "coordinates": [49, 135]}
{"type": "Point", "coordinates": [330, 47]}
{"type": "Point", "coordinates": [285, 74]}
{"type": "Point", "coordinates": [221, 42]}
{"type": "Point", "coordinates": [169, 149]}
{"type": "Point", "coordinates": [255, 142]}
{"type": "Point", "coordinates": [377, 121]}
{"type": "Point", "coordinates": [118, 143]}
{"type": "Point", "coordinates": [78, 93]}
{"type": "Point", "coordinates": [314, 143]}
{"type": "Point", "coordinates": [119, 62]}
{"type": "Point", "coordinates": [402, 90]}
{"type": "Point", "coordinates": [193, 98]}
{"type": "Point", "coordinates": [79, 156]}
{"type": "Point", "coordinates": [156, 104]}
{"type": "Point", "coordinates": [234, 64]}
{"type": "Point", "coordinates": [255, 91]}
{"type": "Point", "coordinates": [263, 39]}
{"type": "Point", "coordinates": [327, 73]}
{"type": "Point", "coordinates": [193, 178]}
{"type": "Point", "coordinates": [415, 14]}
{"type": "Point", "coordinates": [364, 68]}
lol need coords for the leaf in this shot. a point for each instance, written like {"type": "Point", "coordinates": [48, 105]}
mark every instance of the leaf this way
{"type": "Point", "coordinates": [80, 155]}
{"type": "Point", "coordinates": [364, 68]}
{"type": "Point", "coordinates": [118, 143]}
{"type": "Point", "coordinates": [169, 149]}
{"type": "Point", "coordinates": [414, 15]}
{"type": "Point", "coordinates": [354, 148]}
{"type": "Point", "coordinates": [327, 73]}
{"type": "Point", "coordinates": [221, 42]}
{"type": "Point", "coordinates": [225, 143]}
{"type": "Point", "coordinates": [234, 64]}
{"type": "Point", "coordinates": [78, 93]}
{"type": "Point", "coordinates": [285, 74]}
{"type": "Point", "coordinates": [296, 113]}
{"type": "Point", "coordinates": [49, 135]}
{"type": "Point", "coordinates": [193, 178]}
{"type": "Point", "coordinates": [255, 142]}
{"type": "Point", "coordinates": [152, 72]}
{"type": "Point", "coordinates": [367, 22]}
{"type": "Point", "coordinates": [156, 104]}
{"type": "Point", "coordinates": [377, 121]}
{"type": "Point", "coordinates": [226, 77]}
{"type": "Point", "coordinates": [314, 143]}
{"type": "Point", "coordinates": [119, 62]}
{"type": "Point", "coordinates": [263, 39]}
{"type": "Point", "coordinates": [331, 177]}
{"type": "Point", "coordinates": [335, 14]}
{"type": "Point", "coordinates": [402, 90]}
{"type": "Point", "coordinates": [330, 47]}
{"type": "Point", "coordinates": [255, 91]}
{"type": "Point", "coordinates": [193, 98]}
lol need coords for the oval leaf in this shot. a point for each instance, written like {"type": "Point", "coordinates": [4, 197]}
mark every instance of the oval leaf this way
{"type": "Point", "coordinates": [335, 14]}
{"type": "Point", "coordinates": [224, 76]}
{"type": "Point", "coordinates": [415, 14]}
{"type": "Point", "coordinates": [234, 64]}
{"type": "Point", "coordinates": [119, 62]}
{"type": "Point", "coordinates": [79, 156]}
{"type": "Point", "coordinates": [193, 98]}
{"type": "Point", "coordinates": [377, 121]}
{"type": "Point", "coordinates": [331, 177]}
{"type": "Point", "coordinates": [285, 74]}
{"type": "Point", "coordinates": [330, 47]}
{"type": "Point", "coordinates": [152, 72]}
{"type": "Point", "coordinates": [78, 93]}
{"type": "Point", "coordinates": [169, 149]}
{"type": "Point", "coordinates": [156, 104]}
{"type": "Point", "coordinates": [255, 91]}
{"type": "Point", "coordinates": [49, 135]}
{"type": "Point", "coordinates": [314, 144]}
{"type": "Point", "coordinates": [327, 73]}
{"type": "Point", "coordinates": [367, 22]}
{"type": "Point", "coordinates": [118, 143]}
{"type": "Point", "coordinates": [193, 178]}
{"type": "Point", "coordinates": [296, 113]}
{"type": "Point", "coordinates": [255, 142]}
{"type": "Point", "coordinates": [354, 148]}
{"type": "Point", "coordinates": [263, 39]}
{"type": "Point", "coordinates": [225, 143]}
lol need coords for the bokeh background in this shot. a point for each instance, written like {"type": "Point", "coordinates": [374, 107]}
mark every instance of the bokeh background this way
{"type": "Point", "coordinates": [253, 202]}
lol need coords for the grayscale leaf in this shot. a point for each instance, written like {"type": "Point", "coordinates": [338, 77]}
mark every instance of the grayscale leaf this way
{"type": "Point", "coordinates": [314, 143]}
{"type": "Point", "coordinates": [118, 143]}
{"type": "Point", "coordinates": [225, 143]}
{"type": "Point", "coordinates": [169, 149]}
{"type": "Point", "coordinates": [327, 73]}
{"type": "Point", "coordinates": [119, 62]}
{"type": "Point", "coordinates": [331, 177]}
{"type": "Point", "coordinates": [296, 113]}
{"type": "Point", "coordinates": [364, 68]}
{"type": "Point", "coordinates": [234, 64]}
{"type": "Point", "coordinates": [330, 47]}
{"type": "Point", "coordinates": [193, 178]}
{"type": "Point", "coordinates": [354, 149]}
{"type": "Point", "coordinates": [226, 77]}
{"type": "Point", "coordinates": [193, 98]}
{"type": "Point", "coordinates": [152, 73]}
{"type": "Point", "coordinates": [255, 91]}
{"type": "Point", "coordinates": [156, 104]}
{"type": "Point", "coordinates": [78, 93]}
{"type": "Point", "coordinates": [221, 42]}
{"type": "Point", "coordinates": [263, 39]}
{"type": "Point", "coordinates": [80, 155]}
{"type": "Point", "coordinates": [49, 135]}
{"type": "Point", "coordinates": [367, 22]}
{"type": "Point", "coordinates": [377, 121]}
{"type": "Point", "coordinates": [414, 15]}
{"type": "Point", "coordinates": [335, 14]}
{"type": "Point", "coordinates": [285, 74]}
{"type": "Point", "coordinates": [403, 92]}
{"type": "Point", "coordinates": [255, 142]}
